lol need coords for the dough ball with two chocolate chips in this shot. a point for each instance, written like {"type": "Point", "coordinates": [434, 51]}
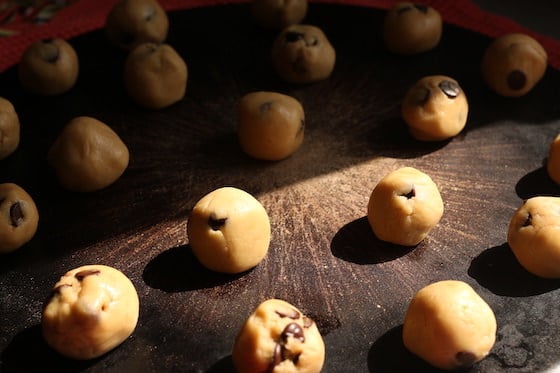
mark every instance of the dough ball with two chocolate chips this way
{"type": "Point", "coordinates": [9, 128]}
{"type": "Point", "coordinates": [277, 14]}
{"type": "Point", "coordinates": [19, 217]}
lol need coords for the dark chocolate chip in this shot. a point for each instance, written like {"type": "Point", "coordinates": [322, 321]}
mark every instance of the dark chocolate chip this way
{"type": "Point", "coordinates": [293, 36]}
{"type": "Point", "coordinates": [465, 359]}
{"type": "Point", "coordinates": [422, 95]}
{"type": "Point", "coordinates": [265, 106]}
{"type": "Point", "coordinates": [404, 8]}
{"type": "Point", "coordinates": [313, 42]}
{"type": "Point", "coordinates": [49, 51]}
{"type": "Point", "coordinates": [294, 315]}
{"type": "Point", "coordinates": [216, 223]}
{"type": "Point", "coordinates": [528, 221]}
{"type": "Point", "coordinates": [410, 194]}
{"type": "Point", "coordinates": [277, 357]}
{"type": "Point", "coordinates": [516, 79]}
{"type": "Point", "coordinates": [450, 88]}
{"type": "Point", "coordinates": [293, 330]}
{"type": "Point", "coordinates": [16, 214]}
{"type": "Point", "coordinates": [421, 7]}
{"type": "Point", "coordinates": [87, 272]}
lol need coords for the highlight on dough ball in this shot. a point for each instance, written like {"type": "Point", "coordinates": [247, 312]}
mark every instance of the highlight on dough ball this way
{"type": "Point", "coordinates": [435, 108]}
{"type": "Point", "coordinates": [411, 28]}
{"type": "Point", "coordinates": [553, 160]}
{"type": "Point", "coordinates": [278, 337]}
{"type": "Point", "coordinates": [88, 155]}
{"type": "Point", "coordinates": [19, 217]}
{"type": "Point", "coordinates": [270, 125]}
{"type": "Point", "coordinates": [277, 14]}
{"type": "Point", "coordinates": [449, 325]}
{"type": "Point", "coordinates": [9, 128]}
{"type": "Point", "coordinates": [133, 22]}
{"type": "Point", "coordinates": [91, 310]}
{"type": "Point", "coordinates": [404, 207]}
{"type": "Point", "coordinates": [534, 236]}
{"type": "Point", "coordinates": [513, 64]}
{"type": "Point", "coordinates": [229, 230]}
{"type": "Point", "coordinates": [155, 75]}
{"type": "Point", "coordinates": [48, 67]}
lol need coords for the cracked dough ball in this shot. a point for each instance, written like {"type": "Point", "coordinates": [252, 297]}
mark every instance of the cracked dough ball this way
{"type": "Point", "coordinates": [303, 54]}
{"type": "Point", "coordinates": [229, 230]}
{"type": "Point", "coordinates": [270, 125]}
{"type": "Point", "coordinates": [92, 310]}
{"type": "Point", "coordinates": [513, 64]}
{"type": "Point", "coordinates": [9, 128]}
{"type": "Point", "coordinates": [19, 217]}
{"type": "Point", "coordinates": [553, 160]}
{"type": "Point", "coordinates": [534, 236]}
{"type": "Point", "coordinates": [278, 338]}
{"type": "Point", "coordinates": [277, 14]}
{"type": "Point", "coordinates": [449, 325]}
{"type": "Point", "coordinates": [411, 28]}
{"type": "Point", "coordinates": [88, 155]}
{"type": "Point", "coordinates": [404, 207]}
{"type": "Point", "coordinates": [435, 108]}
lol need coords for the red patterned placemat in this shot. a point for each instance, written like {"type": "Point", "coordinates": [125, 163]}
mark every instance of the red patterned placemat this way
{"type": "Point", "coordinates": [21, 25]}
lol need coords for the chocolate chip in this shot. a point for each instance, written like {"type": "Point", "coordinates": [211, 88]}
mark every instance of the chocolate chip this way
{"type": "Point", "coordinates": [421, 7]}
{"type": "Point", "coordinates": [150, 14]}
{"type": "Point", "coordinates": [216, 223]}
{"type": "Point", "coordinates": [49, 51]}
{"type": "Point", "coordinates": [410, 194]}
{"type": "Point", "coordinates": [465, 359]}
{"type": "Point", "coordinates": [294, 315]}
{"type": "Point", "coordinates": [450, 88]}
{"type": "Point", "coordinates": [516, 79]}
{"type": "Point", "coordinates": [293, 330]}
{"type": "Point", "coordinates": [293, 36]}
{"type": "Point", "coordinates": [265, 106]}
{"type": "Point", "coordinates": [87, 272]}
{"type": "Point", "coordinates": [421, 95]}
{"type": "Point", "coordinates": [404, 8]}
{"type": "Point", "coordinates": [16, 214]}
{"type": "Point", "coordinates": [528, 221]}
{"type": "Point", "coordinates": [312, 42]}
{"type": "Point", "coordinates": [277, 357]}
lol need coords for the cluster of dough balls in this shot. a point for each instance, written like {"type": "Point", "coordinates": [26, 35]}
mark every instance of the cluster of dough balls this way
{"type": "Point", "coordinates": [19, 217]}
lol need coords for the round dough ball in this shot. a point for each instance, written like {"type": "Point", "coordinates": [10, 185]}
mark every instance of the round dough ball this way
{"type": "Point", "coordinates": [553, 160]}
{"type": "Point", "coordinates": [277, 337]}
{"type": "Point", "coordinates": [534, 236]}
{"type": "Point", "coordinates": [449, 325]}
{"type": "Point", "coordinates": [133, 22]}
{"type": "Point", "coordinates": [404, 207]}
{"type": "Point", "coordinates": [229, 230]}
{"type": "Point", "coordinates": [9, 128]}
{"type": "Point", "coordinates": [19, 217]}
{"type": "Point", "coordinates": [88, 155]}
{"type": "Point", "coordinates": [303, 54]}
{"type": "Point", "coordinates": [270, 125]}
{"type": "Point", "coordinates": [48, 67]}
{"type": "Point", "coordinates": [513, 64]}
{"type": "Point", "coordinates": [92, 309]}
{"type": "Point", "coordinates": [277, 14]}
{"type": "Point", "coordinates": [435, 108]}
{"type": "Point", "coordinates": [411, 28]}
{"type": "Point", "coordinates": [155, 75]}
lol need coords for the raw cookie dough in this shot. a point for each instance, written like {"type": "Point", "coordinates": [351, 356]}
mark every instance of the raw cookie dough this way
{"type": "Point", "coordinates": [435, 108]}
{"type": "Point", "coordinates": [229, 230]}
{"type": "Point", "coordinates": [9, 128]}
{"type": "Point", "coordinates": [88, 155]}
{"type": "Point", "coordinates": [49, 67]}
{"type": "Point", "coordinates": [303, 54]}
{"type": "Point", "coordinates": [92, 310]}
{"type": "Point", "coordinates": [133, 22]}
{"type": "Point", "coordinates": [404, 207]}
{"type": "Point", "coordinates": [411, 28]}
{"type": "Point", "coordinates": [449, 325]}
{"type": "Point", "coordinates": [19, 217]}
{"type": "Point", "coordinates": [534, 236]}
{"type": "Point", "coordinates": [553, 160]}
{"type": "Point", "coordinates": [277, 14]}
{"type": "Point", "coordinates": [270, 125]}
{"type": "Point", "coordinates": [278, 338]}
{"type": "Point", "coordinates": [513, 64]}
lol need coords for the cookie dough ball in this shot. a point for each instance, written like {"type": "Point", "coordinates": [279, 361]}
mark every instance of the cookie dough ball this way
{"type": "Point", "coordinates": [133, 22]}
{"type": "Point", "coordinates": [92, 309]}
{"type": "Point", "coordinates": [229, 230]}
{"type": "Point", "coordinates": [49, 67]}
{"type": "Point", "coordinates": [411, 28]}
{"type": "Point", "coordinates": [9, 128]}
{"type": "Point", "coordinates": [277, 14]}
{"type": "Point", "coordinates": [303, 54]}
{"type": "Point", "coordinates": [513, 64]}
{"type": "Point", "coordinates": [449, 325]}
{"type": "Point", "coordinates": [404, 207]}
{"type": "Point", "coordinates": [435, 108]}
{"type": "Point", "coordinates": [19, 217]}
{"type": "Point", "coordinates": [270, 125]}
{"type": "Point", "coordinates": [155, 75]}
{"type": "Point", "coordinates": [88, 155]}
{"type": "Point", "coordinates": [553, 160]}
{"type": "Point", "coordinates": [534, 236]}
{"type": "Point", "coordinates": [277, 337]}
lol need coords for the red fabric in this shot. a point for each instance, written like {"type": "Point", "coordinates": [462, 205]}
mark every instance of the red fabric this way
{"type": "Point", "coordinates": [88, 15]}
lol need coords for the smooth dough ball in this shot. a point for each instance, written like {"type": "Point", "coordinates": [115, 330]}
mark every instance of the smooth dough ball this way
{"type": "Point", "coordinates": [449, 325]}
{"type": "Point", "coordinates": [404, 207]}
{"type": "Point", "coordinates": [229, 230]}
{"type": "Point", "coordinates": [277, 14]}
{"type": "Point", "coordinates": [553, 160]}
{"type": "Point", "coordinates": [513, 64]}
{"type": "Point", "coordinates": [49, 67]}
{"type": "Point", "coordinates": [9, 128]}
{"type": "Point", "coordinates": [88, 155]}
{"type": "Point", "coordinates": [133, 22]}
{"type": "Point", "coordinates": [411, 28]}
{"type": "Point", "coordinates": [155, 75]}
{"type": "Point", "coordinates": [435, 108]}
{"type": "Point", "coordinates": [270, 125]}
{"type": "Point", "coordinates": [534, 236]}
{"type": "Point", "coordinates": [92, 309]}
{"type": "Point", "coordinates": [19, 217]}
{"type": "Point", "coordinates": [279, 338]}
{"type": "Point", "coordinates": [303, 54]}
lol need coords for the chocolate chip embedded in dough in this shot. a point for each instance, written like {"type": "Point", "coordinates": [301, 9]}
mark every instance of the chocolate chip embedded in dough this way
{"type": "Point", "coordinates": [50, 51]}
{"type": "Point", "coordinates": [528, 221]}
{"type": "Point", "coordinates": [450, 88]}
{"type": "Point", "coordinates": [88, 272]}
{"type": "Point", "coordinates": [16, 214]}
{"type": "Point", "coordinates": [410, 194]}
{"type": "Point", "coordinates": [465, 359]}
{"type": "Point", "coordinates": [294, 315]}
{"type": "Point", "coordinates": [293, 330]}
{"type": "Point", "coordinates": [516, 80]}
{"type": "Point", "coordinates": [216, 223]}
